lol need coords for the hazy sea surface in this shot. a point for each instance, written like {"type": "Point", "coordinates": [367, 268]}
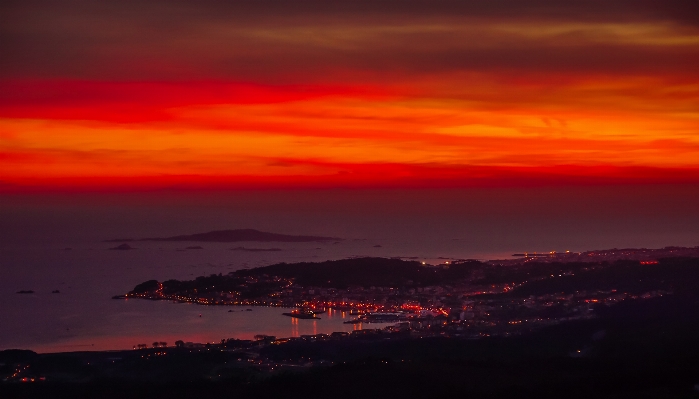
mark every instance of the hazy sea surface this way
{"type": "Point", "coordinates": [84, 317]}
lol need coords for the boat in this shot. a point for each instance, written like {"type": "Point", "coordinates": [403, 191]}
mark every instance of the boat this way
{"type": "Point", "coordinates": [301, 314]}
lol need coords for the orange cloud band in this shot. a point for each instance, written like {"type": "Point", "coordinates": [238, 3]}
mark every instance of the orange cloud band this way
{"type": "Point", "coordinates": [440, 130]}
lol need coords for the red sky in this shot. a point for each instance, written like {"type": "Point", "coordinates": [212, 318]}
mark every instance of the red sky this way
{"type": "Point", "coordinates": [131, 95]}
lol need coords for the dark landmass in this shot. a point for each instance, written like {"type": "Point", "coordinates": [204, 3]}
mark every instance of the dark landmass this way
{"type": "Point", "coordinates": [363, 272]}
{"type": "Point", "coordinates": [237, 235]}
{"type": "Point", "coordinates": [123, 247]}
{"type": "Point", "coordinates": [367, 279]}
{"type": "Point", "coordinates": [194, 247]}
{"type": "Point", "coordinates": [255, 249]}
{"type": "Point", "coordinates": [25, 292]}
{"type": "Point", "coordinates": [619, 328]}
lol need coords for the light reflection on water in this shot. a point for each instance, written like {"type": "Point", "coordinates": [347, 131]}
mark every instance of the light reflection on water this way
{"type": "Point", "coordinates": [134, 322]}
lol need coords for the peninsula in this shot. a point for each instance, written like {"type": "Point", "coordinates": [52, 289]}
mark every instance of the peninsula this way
{"type": "Point", "coordinates": [456, 298]}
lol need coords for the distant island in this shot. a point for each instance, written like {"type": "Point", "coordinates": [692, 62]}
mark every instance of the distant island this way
{"type": "Point", "coordinates": [236, 235]}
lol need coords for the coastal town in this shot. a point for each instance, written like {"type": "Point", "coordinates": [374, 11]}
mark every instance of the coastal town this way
{"type": "Point", "coordinates": [566, 310]}
{"type": "Point", "coordinates": [465, 299]}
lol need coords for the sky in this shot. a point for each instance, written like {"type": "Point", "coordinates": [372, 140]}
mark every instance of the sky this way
{"type": "Point", "coordinates": [211, 96]}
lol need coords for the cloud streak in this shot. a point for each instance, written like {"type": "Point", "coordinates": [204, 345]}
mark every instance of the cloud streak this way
{"type": "Point", "coordinates": [222, 93]}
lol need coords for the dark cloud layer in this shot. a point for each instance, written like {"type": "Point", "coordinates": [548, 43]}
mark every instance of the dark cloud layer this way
{"type": "Point", "coordinates": [596, 10]}
{"type": "Point", "coordinates": [300, 41]}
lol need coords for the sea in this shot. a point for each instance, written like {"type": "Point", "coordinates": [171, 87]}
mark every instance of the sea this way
{"type": "Point", "coordinates": [58, 243]}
